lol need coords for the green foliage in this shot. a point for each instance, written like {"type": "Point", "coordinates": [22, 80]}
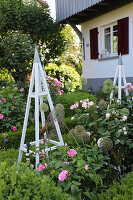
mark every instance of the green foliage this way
{"type": "Point", "coordinates": [68, 76]}
{"type": "Point", "coordinates": [9, 156]}
{"type": "Point", "coordinates": [24, 183]}
{"type": "Point", "coordinates": [23, 24]}
{"type": "Point", "coordinates": [12, 107]}
{"type": "Point", "coordinates": [81, 182]}
{"type": "Point", "coordinates": [72, 54]}
{"type": "Point", "coordinates": [69, 99]}
{"type": "Point", "coordinates": [5, 77]}
{"type": "Point", "coordinates": [123, 191]}
{"type": "Point", "coordinates": [14, 138]}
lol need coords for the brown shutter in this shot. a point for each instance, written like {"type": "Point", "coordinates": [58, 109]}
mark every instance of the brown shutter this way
{"type": "Point", "coordinates": [123, 36]}
{"type": "Point", "coordinates": [94, 43]}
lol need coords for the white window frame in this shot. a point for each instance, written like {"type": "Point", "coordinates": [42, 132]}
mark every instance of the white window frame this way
{"type": "Point", "coordinates": [102, 41]}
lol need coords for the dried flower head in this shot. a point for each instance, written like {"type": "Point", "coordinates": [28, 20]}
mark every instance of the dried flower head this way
{"type": "Point", "coordinates": [106, 144]}
{"type": "Point", "coordinates": [109, 86]}
{"type": "Point", "coordinates": [124, 111]}
{"type": "Point", "coordinates": [57, 112]}
{"type": "Point", "coordinates": [102, 104]}
{"type": "Point", "coordinates": [44, 107]}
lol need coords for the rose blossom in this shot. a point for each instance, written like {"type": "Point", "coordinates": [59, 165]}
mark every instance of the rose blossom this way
{"type": "Point", "coordinates": [107, 115]}
{"type": "Point", "coordinates": [42, 167]}
{"type": "Point", "coordinates": [72, 153]}
{"type": "Point", "coordinates": [124, 118]}
{"type": "Point", "coordinates": [86, 167]}
{"type": "Point", "coordinates": [22, 89]}
{"type": "Point", "coordinates": [14, 128]}
{"type": "Point", "coordinates": [4, 99]}
{"type": "Point", "coordinates": [63, 175]}
{"type": "Point", "coordinates": [1, 116]}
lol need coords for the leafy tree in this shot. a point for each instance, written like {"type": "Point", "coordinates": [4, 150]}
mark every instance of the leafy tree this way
{"type": "Point", "coordinates": [72, 54]}
{"type": "Point", "coordinates": [25, 23]}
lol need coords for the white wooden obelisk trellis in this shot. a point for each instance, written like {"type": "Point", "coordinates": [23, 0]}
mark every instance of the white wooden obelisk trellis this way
{"type": "Point", "coordinates": [38, 78]}
{"type": "Point", "coordinates": [120, 75]}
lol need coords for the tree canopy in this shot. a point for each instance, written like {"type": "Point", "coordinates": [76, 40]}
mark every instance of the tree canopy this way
{"type": "Point", "coordinates": [24, 23]}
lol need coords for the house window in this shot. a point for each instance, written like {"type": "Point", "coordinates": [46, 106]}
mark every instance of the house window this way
{"type": "Point", "coordinates": [113, 39]}
{"type": "Point", "coordinates": [110, 42]}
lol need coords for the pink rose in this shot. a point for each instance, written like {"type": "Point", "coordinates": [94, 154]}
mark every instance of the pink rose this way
{"type": "Point", "coordinates": [14, 128]}
{"type": "Point", "coordinates": [4, 99]}
{"type": "Point", "coordinates": [86, 167]}
{"type": "Point", "coordinates": [1, 116]}
{"type": "Point", "coordinates": [42, 167]}
{"type": "Point", "coordinates": [22, 89]}
{"type": "Point", "coordinates": [72, 153]}
{"type": "Point", "coordinates": [63, 175]}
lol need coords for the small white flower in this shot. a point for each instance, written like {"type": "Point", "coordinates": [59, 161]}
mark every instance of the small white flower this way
{"type": "Point", "coordinates": [87, 113]}
{"type": "Point", "coordinates": [72, 118]}
{"type": "Point", "coordinates": [124, 128]}
{"type": "Point", "coordinates": [107, 115]}
{"type": "Point", "coordinates": [118, 101]}
{"type": "Point", "coordinates": [132, 98]}
{"type": "Point", "coordinates": [125, 133]}
{"type": "Point", "coordinates": [124, 118]}
{"type": "Point", "coordinates": [99, 142]}
{"type": "Point", "coordinates": [88, 133]}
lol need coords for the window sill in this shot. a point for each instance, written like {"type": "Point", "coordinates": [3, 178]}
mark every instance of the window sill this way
{"type": "Point", "coordinates": [108, 58]}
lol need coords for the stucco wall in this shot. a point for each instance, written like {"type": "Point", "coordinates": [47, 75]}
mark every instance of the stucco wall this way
{"type": "Point", "coordinates": [94, 69]}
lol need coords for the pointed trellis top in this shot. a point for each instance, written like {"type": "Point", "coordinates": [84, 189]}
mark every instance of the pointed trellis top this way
{"type": "Point", "coordinates": [36, 56]}
{"type": "Point", "coordinates": [120, 60]}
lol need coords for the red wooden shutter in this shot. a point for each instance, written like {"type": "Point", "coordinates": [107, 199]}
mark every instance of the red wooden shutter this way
{"type": "Point", "coordinates": [94, 43]}
{"type": "Point", "coordinates": [123, 36]}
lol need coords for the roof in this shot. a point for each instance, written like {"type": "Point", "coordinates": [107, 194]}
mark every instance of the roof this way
{"type": "Point", "coordinates": [78, 11]}
{"type": "Point", "coordinates": [67, 8]}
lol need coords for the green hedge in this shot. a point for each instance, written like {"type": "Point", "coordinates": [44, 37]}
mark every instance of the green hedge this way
{"type": "Point", "coordinates": [69, 99]}
{"type": "Point", "coordinates": [25, 184]}
{"type": "Point", "coordinates": [14, 138]}
{"type": "Point", "coordinates": [123, 191]}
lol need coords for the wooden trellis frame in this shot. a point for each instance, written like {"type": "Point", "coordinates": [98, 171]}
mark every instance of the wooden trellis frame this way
{"type": "Point", "coordinates": [38, 78]}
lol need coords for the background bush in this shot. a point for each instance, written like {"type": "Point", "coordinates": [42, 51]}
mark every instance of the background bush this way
{"type": "Point", "coordinates": [68, 76]}
{"type": "Point", "coordinates": [25, 184]}
{"type": "Point", "coordinates": [14, 138]}
{"type": "Point", "coordinates": [69, 99]}
{"type": "Point", "coordinates": [123, 191]}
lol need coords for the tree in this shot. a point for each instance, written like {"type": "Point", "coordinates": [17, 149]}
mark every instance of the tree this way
{"type": "Point", "coordinates": [72, 54]}
{"type": "Point", "coordinates": [24, 23]}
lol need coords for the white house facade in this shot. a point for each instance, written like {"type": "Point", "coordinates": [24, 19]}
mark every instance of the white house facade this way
{"type": "Point", "coordinates": [104, 37]}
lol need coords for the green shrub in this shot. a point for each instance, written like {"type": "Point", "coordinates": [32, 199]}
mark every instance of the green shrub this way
{"type": "Point", "coordinates": [12, 109]}
{"type": "Point", "coordinates": [69, 99]}
{"type": "Point", "coordinates": [14, 138]}
{"type": "Point", "coordinates": [123, 191]}
{"type": "Point", "coordinates": [9, 156]}
{"type": "Point", "coordinates": [68, 76]}
{"type": "Point", "coordinates": [69, 124]}
{"type": "Point", "coordinates": [25, 184]}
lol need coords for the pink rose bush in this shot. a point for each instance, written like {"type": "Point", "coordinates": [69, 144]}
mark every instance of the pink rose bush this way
{"type": "Point", "coordinates": [63, 175]}
{"type": "Point", "coordinates": [86, 167]}
{"type": "Point", "coordinates": [41, 167]}
{"type": "Point", "coordinates": [55, 85]}
{"type": "Point", "coordinates": [72, 153]}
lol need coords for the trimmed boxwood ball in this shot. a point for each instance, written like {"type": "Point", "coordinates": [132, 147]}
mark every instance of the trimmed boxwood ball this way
{"type": "Point", "coordinates": [69, 99]}
{"type": "Point", "coordinates": [24, 184]}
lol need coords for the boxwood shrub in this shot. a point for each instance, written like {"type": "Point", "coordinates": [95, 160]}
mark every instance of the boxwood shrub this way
{"type": "Point", "coordinates": [14, 138]}
{"type": "Point", "coordinates": [69, 99]}
{"type": "Point", "coordinates": [123, 191]}
{"type": "Point", "coordinates": [24, 184]}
